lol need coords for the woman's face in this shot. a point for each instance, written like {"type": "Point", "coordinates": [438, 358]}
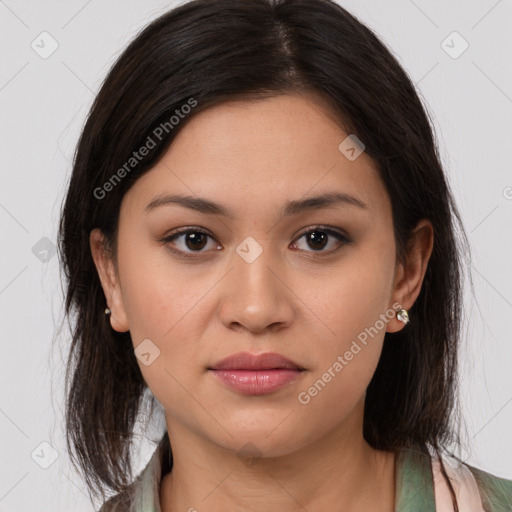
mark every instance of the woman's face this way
{"type": "Point", "coordinates": [269, 275]}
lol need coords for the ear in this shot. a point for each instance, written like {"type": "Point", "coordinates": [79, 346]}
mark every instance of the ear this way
{"type": "Point", "coordinates": [109, 280]}
{"type": "Point", "coordinates": [409, 276]}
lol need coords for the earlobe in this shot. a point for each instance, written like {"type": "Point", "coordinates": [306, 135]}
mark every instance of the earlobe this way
{"type": "Point", "coordinates": [410, 275]}
{"type": "Point", "coordinates": [109, 281]}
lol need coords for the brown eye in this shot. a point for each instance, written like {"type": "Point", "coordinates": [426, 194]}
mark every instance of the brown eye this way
{"type": "Point", "coordinates": [188, 241]}
{"type": "Point", "coordinates": [195, 240]}
{"type": "Point", "coordinates": [318, 238]}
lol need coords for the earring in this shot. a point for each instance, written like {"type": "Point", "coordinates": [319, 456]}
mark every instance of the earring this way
{"type": "Point", "coordinates": [107, 311]}
{"type": "Point", "coordinates": [403, 316]}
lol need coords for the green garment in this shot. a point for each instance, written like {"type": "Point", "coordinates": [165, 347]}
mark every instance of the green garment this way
{"type": "Point", "coordinates": [414, 485]}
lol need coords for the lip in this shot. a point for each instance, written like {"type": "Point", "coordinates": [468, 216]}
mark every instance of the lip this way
{"type": "Point", "coordinates": [251, 374]}
{"type": "Point", "coordinates": [248, 361]}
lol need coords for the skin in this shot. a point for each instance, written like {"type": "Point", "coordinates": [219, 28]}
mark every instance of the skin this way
{"type": "Point", "coordinates": [308, 305]}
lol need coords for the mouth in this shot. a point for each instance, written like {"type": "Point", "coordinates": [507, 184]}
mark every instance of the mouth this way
{"type": "Point", "coordinates": [250, 374]}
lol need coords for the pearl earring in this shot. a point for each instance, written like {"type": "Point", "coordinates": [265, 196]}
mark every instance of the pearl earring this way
{"type": "Point", "coordinates": [107, 311]}
{"type": "Point", "coordinates": [403, 316]}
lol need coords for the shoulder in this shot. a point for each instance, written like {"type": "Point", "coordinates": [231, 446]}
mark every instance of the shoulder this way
{"type": "Point", "coordinates": [496, 492]}
{"type": "Point", "coordinates": [421, 480]}
{"type": "Point", "coordinates": [472, 484]}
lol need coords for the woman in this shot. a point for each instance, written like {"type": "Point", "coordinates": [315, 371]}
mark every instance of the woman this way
{"type": "Point", "coordinates": [258, 231]}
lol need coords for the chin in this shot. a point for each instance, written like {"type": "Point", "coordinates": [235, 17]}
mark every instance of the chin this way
{"type": "Point", "coordinates": [263, 442]}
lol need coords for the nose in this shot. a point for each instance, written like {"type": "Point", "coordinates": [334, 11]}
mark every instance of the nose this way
{"type": "Point", "coordinates": [256, 296]}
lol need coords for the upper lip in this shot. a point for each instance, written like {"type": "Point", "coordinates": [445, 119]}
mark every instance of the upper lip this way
{"type": "Point", "coordinates": [248, 361]}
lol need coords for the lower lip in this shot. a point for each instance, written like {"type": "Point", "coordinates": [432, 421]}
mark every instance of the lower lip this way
{"type": "Point", "coordinates": [257, 382]}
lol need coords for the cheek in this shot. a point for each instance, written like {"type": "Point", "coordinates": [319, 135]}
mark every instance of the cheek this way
{"type": "Point", "coordinates": [352, 296]}
{"type": "Point", "coordinates": [345, 362]}
{"type": "Point", "coordinates": [163, 305]}
{"type": "Point", "coordinates": [158, 295]}
{"type": "Point", "coordinates": [352, 305]}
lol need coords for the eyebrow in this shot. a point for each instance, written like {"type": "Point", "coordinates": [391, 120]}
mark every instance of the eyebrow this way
{"type": "Point", "coordinates": [294, 207]}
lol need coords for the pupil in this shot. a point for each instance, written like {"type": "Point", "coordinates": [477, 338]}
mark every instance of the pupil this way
{"type": "Point", "coordinates": [195, 239]}
{"type": "Point", "coordinates": [315, 238]}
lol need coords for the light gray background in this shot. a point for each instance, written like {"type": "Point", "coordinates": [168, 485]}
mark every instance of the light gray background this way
{"type": "Point", "coordinates": [43, 106]}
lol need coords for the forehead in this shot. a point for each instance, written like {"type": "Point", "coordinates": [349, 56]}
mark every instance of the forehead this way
{"type": "Point", "coordinates": [254, 153]}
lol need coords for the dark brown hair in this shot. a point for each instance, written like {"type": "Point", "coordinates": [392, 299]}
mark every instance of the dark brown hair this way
{"type": "Point", "coordinates": [209, 51]}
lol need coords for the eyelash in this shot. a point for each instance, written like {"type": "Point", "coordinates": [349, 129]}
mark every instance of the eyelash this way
{"type": "Point", "coordinates": [194, 254]}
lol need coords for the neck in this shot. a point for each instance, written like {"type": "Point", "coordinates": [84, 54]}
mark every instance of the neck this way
{"type": "Point", "coordinates": [339, 470]}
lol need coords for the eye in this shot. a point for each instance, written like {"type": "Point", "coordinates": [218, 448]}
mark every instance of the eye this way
{"type": "Point", "coordinates": [188, 241]}
{"type": "Point", "coordinates": [318, 238]}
